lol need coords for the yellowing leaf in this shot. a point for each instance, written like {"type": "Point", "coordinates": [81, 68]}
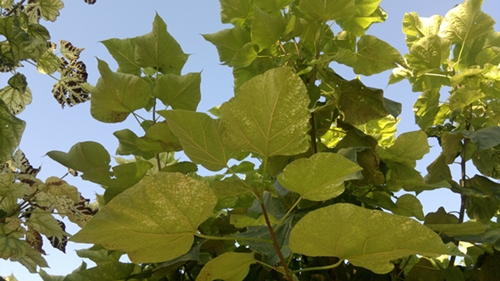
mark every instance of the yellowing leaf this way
{"type": "Point", "coordinates": [228, 267]}
{"type": "Point", "coordinates": [320, 177]}
{"type": "Point", "coordinates": [201, 137]}
{"type": "Point", "coordinates": [153, 221]}
{"type": "Point", "coordinates": [269, 115]}
{"type": "Point", "coordinates": [367, 238]}
{"type": "Point", "coordinates": [50, 8]}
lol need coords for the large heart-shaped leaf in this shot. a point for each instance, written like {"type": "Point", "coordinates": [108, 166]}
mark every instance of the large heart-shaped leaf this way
{"type": "Point", "coordinates": [320, 177]}
{"type": "Point", "coordinates": [269, 115]}
{"type": "Point", "coordinates": [367, 238]}
{"type": "Point", "coordinates": [153, 221]}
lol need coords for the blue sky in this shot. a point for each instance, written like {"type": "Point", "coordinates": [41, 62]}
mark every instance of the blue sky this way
{"type": "Point", "coordinates": [51, 128]}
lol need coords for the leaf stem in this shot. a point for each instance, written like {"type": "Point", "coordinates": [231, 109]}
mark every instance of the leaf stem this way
{"type": "Point", "coordinates": [232, 238]}
{"type": "Point", "coordinates": [326, 267]}
{"type": "Point", "coordinates": [288, 212]}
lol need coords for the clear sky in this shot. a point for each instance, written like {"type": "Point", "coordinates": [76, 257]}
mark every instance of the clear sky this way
{"type": "Point", "coordinates": [51, 128]}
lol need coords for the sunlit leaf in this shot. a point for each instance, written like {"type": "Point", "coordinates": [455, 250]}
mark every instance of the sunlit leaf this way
{"type": "Point", "coordinates": [466, 22]}
{"type": "Point", "coordinates": [16, 100]}
{"type": "Point", "coordinates": [159, 138]}
{"type": "Point", "coordinates": [48, 63]}
{"type": "Point", "coordinates": [179, 92]}
{"type": "Point", "coordinates": [116, 95]}
{"type": "Point", "coordinates": [367, 13]}
{"type": "Point", "coordinates": [409, 147]}
{"type": "Point", "coordinates": [320, 177]}
{"type": "Point", "coordinates": [228, 266]}
{"type": "Point", "coordinates": [428, 53]}
{"type": "Point", "coordinates": [328, 9]}
{"type": "Point", "coordinates": [269, 115]}
{"type": "Point", "coordinates": [50, 8]}
{"type": "Point", "coordinates": [158, 49]}
{"type": "Point", "coordinates": [367, 238]}
{"type": "Point", "coordinates": [167, 210]}
{"type": "Point", "coordinates": [426, 108]}
{"type": "Point", "coordinates": [201, 137]}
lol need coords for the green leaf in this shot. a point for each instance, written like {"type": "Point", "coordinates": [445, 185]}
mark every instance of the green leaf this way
{"type": "Point", "coordinates": [116, 95]}
{"type": "Point", "coordinates": [123, 51]}
{"type": "Point", "coordinates": [15, 99]}
{"type": "Point", "coordinates": [428, 53]}
{"type": "Point", "coordinates": [6, 3]}
{"type": "Point", "coordinates": [452, 145]}
{"type": "Point", "coordinates": [228, 266]}
{"type": "Point", "coordinates": [416, 28]}
{"type": "Point", "coordinates": [229, 42]}
{"type": "Point", "coordinates": [179, 92]}
{"type": "Point", "coordinates": [232, 193]}
{"type": "Point", "coordinates": [235, 11]}
{"type": "Point", "coordinates": [200, 137]}
{"type": "Point", "coordinates": [87, 157]}
{"type": "Point", "coordinates": [127, 140]}
{"type": "Point", "coordinates": [19, 250]}
{"type": "Point", "coordinates": [125, 176]}
{"type": "Point", "coordinates": [374, 56]}
{"type": "Point", "coordinates": [245, 56]}
{"type": "Point", "coordinates": [99, 254]}
{"type": "Point", "coordinates": [320, 177]}
{"type": "Point", "coordinates": [181, 167]}
{"type": "Point", "coordinates": [20, 45]}
{"type": "Point", "coordinates": [367, 13]}
{"type": "Point", "coordinates": [11, 131]}
{"type": "Point", "coordinates": [158, 49]}
{"type": "Point", "coordinates": [490, 269]}
{"type": "Point", "coordinates": [426, 108]}
{"type": "Point", "coordinates": [159, 138]}
{"type": "Point", "coordinates": [272, 5]}
{"type": "Point", "coordinates": [438, 171]}
{"type": "Point", "coordinates": [408, 148]}
{"type": "Point", "coordinates": [269, 115]}
{"type": "Point", "coordinates": [440, 217]}
{"type": "Point", "coordinates": [328, 9]}
{"type": "Point", "coordinates": [110, 271]}
{"type": "Point", "coordinates": [266, 28]}
{"type": "Point", "coordinates": [466, 22]}
{"type": "Point", "coordinates": [48, 63]}
{"type": "Point", "coordinates": [373, 241]}
{"type": "Point", "coordinates": [50, 9]}
{"type": "Point", "coordinates": [167, 210]}
{"type": "Point", "coordinates": [462, 229]}
{"type": "Point", "coordinates": [484, 138]}
{"type": "Point", "coordinates": [409, 205]}
{"type": "Point", "coordinates": [44, 223]}
{"type": "Point", "coordinates": [483, 208]}
{"type": "Point", "coordinates": [18, 82]}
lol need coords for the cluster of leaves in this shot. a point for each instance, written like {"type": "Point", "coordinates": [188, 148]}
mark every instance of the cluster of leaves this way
{"type": "Point", "coordinates": [331, 195]}
{"type": "Point", "coordinates": [27, 204]}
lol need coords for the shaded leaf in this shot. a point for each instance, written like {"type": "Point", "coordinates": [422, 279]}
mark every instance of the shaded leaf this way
{"type": "Point", "coordinates": [462, 229]}
{"type": "Point", "coordinates": [269, 115]}
{"type": "Point", "coordinates": [235, 11]}
{"type": "Point", "coordinates": [266, 28]}
{"type": "Point", "coordinates": [15, 99]}
{"type": "Point", "coordinates": [367, 238]}
{"type": "Point", "coordinates": [159, 138]}
{"type": "Point", "coordinates": [200, 137]}
{"type": "Point", "coordinates": [409, 205]}
{"type": "Point", "coordinates": [179, 92]}
{"type": "Point", "coordinates": [116, 95]}
{"type": "Point", "coordinates": [168, 208]}
{"type": "Point", "coordinates": [484, 138]}
{"type": "Point", "coordinates": [229, 42]}
{"type": "Point", "coordinates": [228, 266]}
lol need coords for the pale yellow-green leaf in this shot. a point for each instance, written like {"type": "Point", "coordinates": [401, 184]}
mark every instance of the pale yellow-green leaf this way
{"type": "Point", "coordinates": [48, 63]}
{"type": "Point", "coordinates": [462, 229]}
{"type": "Point", "coordinates": [367, 238]}
{"type": "Point", "coordinates": [153, 221]}
{"type": "Point", "coordinates": [50, 9]}
{"type": "Point", "coordinates": [16, 100]}
{"type": "Point", "coordinates": [6, 3]}
{"type": "Point", "coordinates": [269, 115]}
{"type": "Point", "coordinates": [11, 278]}
{"type": "Point", "coordinates": [409, 147]}
{"type": "Point", "coordinates": [228, 267]}
{"type": "Point", "coordinates": [320, 177]}
{"type": "Point", "coordinates": [409, 205]}
{"type": "Point", "coordinates": [19, 250]}
{"type": "Point", "coordinates": [201, 137]}
{"type": "Point", "coordinates": [57, 187]}
{"type": "Point", "coordinates": [45, 223]}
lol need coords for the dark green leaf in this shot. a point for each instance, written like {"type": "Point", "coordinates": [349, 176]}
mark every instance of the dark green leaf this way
{"type": "Point", "coordinates": [11, 131]}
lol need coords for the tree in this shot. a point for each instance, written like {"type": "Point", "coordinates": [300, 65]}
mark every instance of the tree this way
{"type": "Point", "coordinates": [317, 166]}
